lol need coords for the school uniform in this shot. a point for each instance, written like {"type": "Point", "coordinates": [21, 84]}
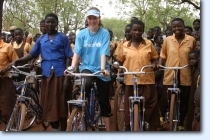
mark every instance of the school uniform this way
{"type": "Point", "coordinates": [134, 59]}
{"type": "Point", "coordinates": [54, 54]}
{"type": "Point", "coordinates": [7, 88]}
{"type": "Point", "coordinates": [177, 55]}
{"type": "Point", "coordinates": [21, 50]}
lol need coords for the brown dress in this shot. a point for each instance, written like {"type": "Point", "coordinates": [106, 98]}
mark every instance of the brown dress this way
{"type": "Point", "coordinates": [54, 98]}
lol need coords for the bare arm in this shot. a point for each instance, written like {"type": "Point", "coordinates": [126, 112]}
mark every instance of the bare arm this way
{"type": "Point", "coordinates": [162, 61]}
{"type": "Point", "coordinates": [75, 60]}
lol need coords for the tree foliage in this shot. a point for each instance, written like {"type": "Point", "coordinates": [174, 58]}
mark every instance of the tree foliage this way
{"type": "Point", "coordinates": [27, 14]}
{"type": "Point", "coordinates": [116, 25]}
{"type": "Point", "coordinates": [157, 12]}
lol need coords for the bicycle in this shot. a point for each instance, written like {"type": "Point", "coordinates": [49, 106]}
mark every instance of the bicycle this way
{"type": "Point", "coordinates": [136, 102]}
{"type": "Point", "coordinates": [86, 112]}
{"type": "Point", "coordinates": [173, 116]}
{"type": "Point", "coordinates": [27, 104]}
{"type": "Point", "coordinates": [119, 105]}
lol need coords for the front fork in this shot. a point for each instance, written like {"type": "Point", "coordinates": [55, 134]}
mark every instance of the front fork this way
{"type": "Point", "coordinates": [177, 102]}
{"type": "Point", "coordinates": [137, 100]}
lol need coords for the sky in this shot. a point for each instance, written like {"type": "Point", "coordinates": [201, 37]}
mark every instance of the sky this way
{"type": "Point", "coordinates": [106, 10]}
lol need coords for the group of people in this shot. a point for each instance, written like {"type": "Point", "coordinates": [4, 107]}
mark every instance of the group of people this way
{"type": "Point", "coordinates": [91, 50]}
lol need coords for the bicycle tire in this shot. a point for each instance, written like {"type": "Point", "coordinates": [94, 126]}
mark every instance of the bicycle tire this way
{"type": "Point", "coordinates": [119, 113]}
{"type": "Point", "coordinates": [75, 115]}
{"type": "Point", "coordinates": [136, 117]}
{"type": "Point", "coordinates": [29, 119]}
{"type": "Point", "coordinates": [99, 122]}
{"type": "Point", "coordinates": [17, 118]}
{"type": "Point", "coordinates": [172, 113]}
{"type": "Point", "coordinates": [31, 115]}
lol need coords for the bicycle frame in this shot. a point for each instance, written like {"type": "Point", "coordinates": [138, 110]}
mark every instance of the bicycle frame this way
{"type": "Point", "coordinates": [22, 97]}
{"type": "Point", "coordinates": [88, 107]}
{"type": "Point", "coordinates": [174, 90]}
{"type": "Point", "coordinates": [135, 99]}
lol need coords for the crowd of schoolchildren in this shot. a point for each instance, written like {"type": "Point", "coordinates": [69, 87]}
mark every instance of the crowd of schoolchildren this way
{"type": "Point", "coordinates": [178, 45]}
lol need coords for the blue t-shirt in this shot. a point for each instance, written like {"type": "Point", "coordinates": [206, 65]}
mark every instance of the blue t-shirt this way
{"type": "Point", "coordinates": [54, 53]}
{"type": "Point", "coordinates": [90, 48]}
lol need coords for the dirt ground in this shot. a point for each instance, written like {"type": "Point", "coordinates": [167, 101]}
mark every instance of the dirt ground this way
{"type": "Point", "coordinates": [36, 127]}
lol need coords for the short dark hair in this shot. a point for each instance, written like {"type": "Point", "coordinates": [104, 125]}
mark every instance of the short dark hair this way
{"type": "Point", "coordinates": [178, 19]}
{"type": "Point", "coordinates": [128, 25]}
{"type": "Point", "coordinates": [139, 22]}
{"type": "Point", "coordinates": [42, 21]}
{"type": "Point", "coordinates": [18, 29]}
{"type": "Point", "coordinates": [189, 27]}
{"type": "Point", "coordinates": [196, 20]}
{"type": "Point", "coordinates": [51, 15]}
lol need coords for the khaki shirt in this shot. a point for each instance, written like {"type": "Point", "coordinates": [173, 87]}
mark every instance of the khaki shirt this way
{"type": "Point", "coordinates": [119, 45]}
{"type": "Point", "coordinates": [26, 49]}
{"type": "Point", "coordinates": [135, 58]}
{"type": "Point", "coordinates": [7, 54]}
{"type": "Point", "coordinates": [177, 55]}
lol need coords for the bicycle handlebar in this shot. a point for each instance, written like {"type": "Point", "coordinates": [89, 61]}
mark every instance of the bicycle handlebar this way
{"type": "Point", "coordinates": [173, 68]}
{"type": "Point", "coordinates": [16, 68]}
{"type": "Point", "coordinates": [139, 72]}
{"type": "Point", "coordinates": [69, 73]}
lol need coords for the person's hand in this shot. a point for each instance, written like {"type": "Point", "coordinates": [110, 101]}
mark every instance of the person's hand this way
{"type": "Point", "coordinates": [155, 67]}
{"type": "Point", "coordinates": [105, 72]}
{"type": "Point", "coordinates": [69, 69]}
{"type": "Point", "coordinates": [5, 69]}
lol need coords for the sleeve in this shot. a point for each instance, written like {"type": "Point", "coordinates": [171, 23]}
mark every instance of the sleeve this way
{"type": "Point", "coordinates": [120, 55]}
{"type": "Point", "coordinates": [35, 51]}
{"type": "Point", "coordinates": [12, 54]}
{"type": "Point", "coordinates": [78, 44]}
{"type": "Point", "coordinates": [105, 44]}
{"type": "Point", "coordinates": [154, 54]}
{"type": "Point", "coordinates": [67, 48]}
{"type": "Point", "coordinates": [27, 49]}
{"type": "Point", "coordinates": [163, 52]}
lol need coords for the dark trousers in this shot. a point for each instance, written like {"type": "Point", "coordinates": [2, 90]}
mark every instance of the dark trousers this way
{"type": "Point", "coordinates": [184, 97]}
{"type": "Point", "coordinates": [150, 94]}
{"type": "Point", "coordinates": [103, 93]}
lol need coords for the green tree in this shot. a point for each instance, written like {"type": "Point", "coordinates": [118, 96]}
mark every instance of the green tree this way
{"type": "Point", "coordinates": [116, 25]}
{"type": "Point", "coordinates": [27, 14]}
{"type": "Point", "coordinates": [157, 12]}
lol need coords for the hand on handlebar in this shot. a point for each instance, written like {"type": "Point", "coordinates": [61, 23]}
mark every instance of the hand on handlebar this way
{"type": "Point", "coordinates": [70, 69]}
{"type": "Point", "coordinates": [105, 72]}
{"type": "Point", "coordinates": [155, 67]}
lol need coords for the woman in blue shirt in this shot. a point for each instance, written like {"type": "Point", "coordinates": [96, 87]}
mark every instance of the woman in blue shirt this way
{"type": "Point", "coordinates": [56, 54]}
{"type": "Point", "coordinates": [93, 47]}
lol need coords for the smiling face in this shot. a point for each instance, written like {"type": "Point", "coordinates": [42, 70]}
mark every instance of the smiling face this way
{"type": "Point", "coordinates": [177, 27]}
{"type": "Point", "coordinates": [93, 21]}
{"type": "Point", "coordinates": [137, 31]}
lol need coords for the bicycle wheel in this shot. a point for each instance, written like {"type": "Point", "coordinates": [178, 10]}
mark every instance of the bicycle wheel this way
{"type": "Point", "coordinates": [99, 122]}
{"type": "Point", "coordinates": [172, 113]}
{"type": "Point", "coordinates": [31, 115]}
{"type": "Point", "coordinates": [75, 121]}
{"type": "Point", "coordinates": [136, 117]}
{"type": "Point", "coordinates": [119, 108]}
{"type": "Point", "coordinates": [17, 119]}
